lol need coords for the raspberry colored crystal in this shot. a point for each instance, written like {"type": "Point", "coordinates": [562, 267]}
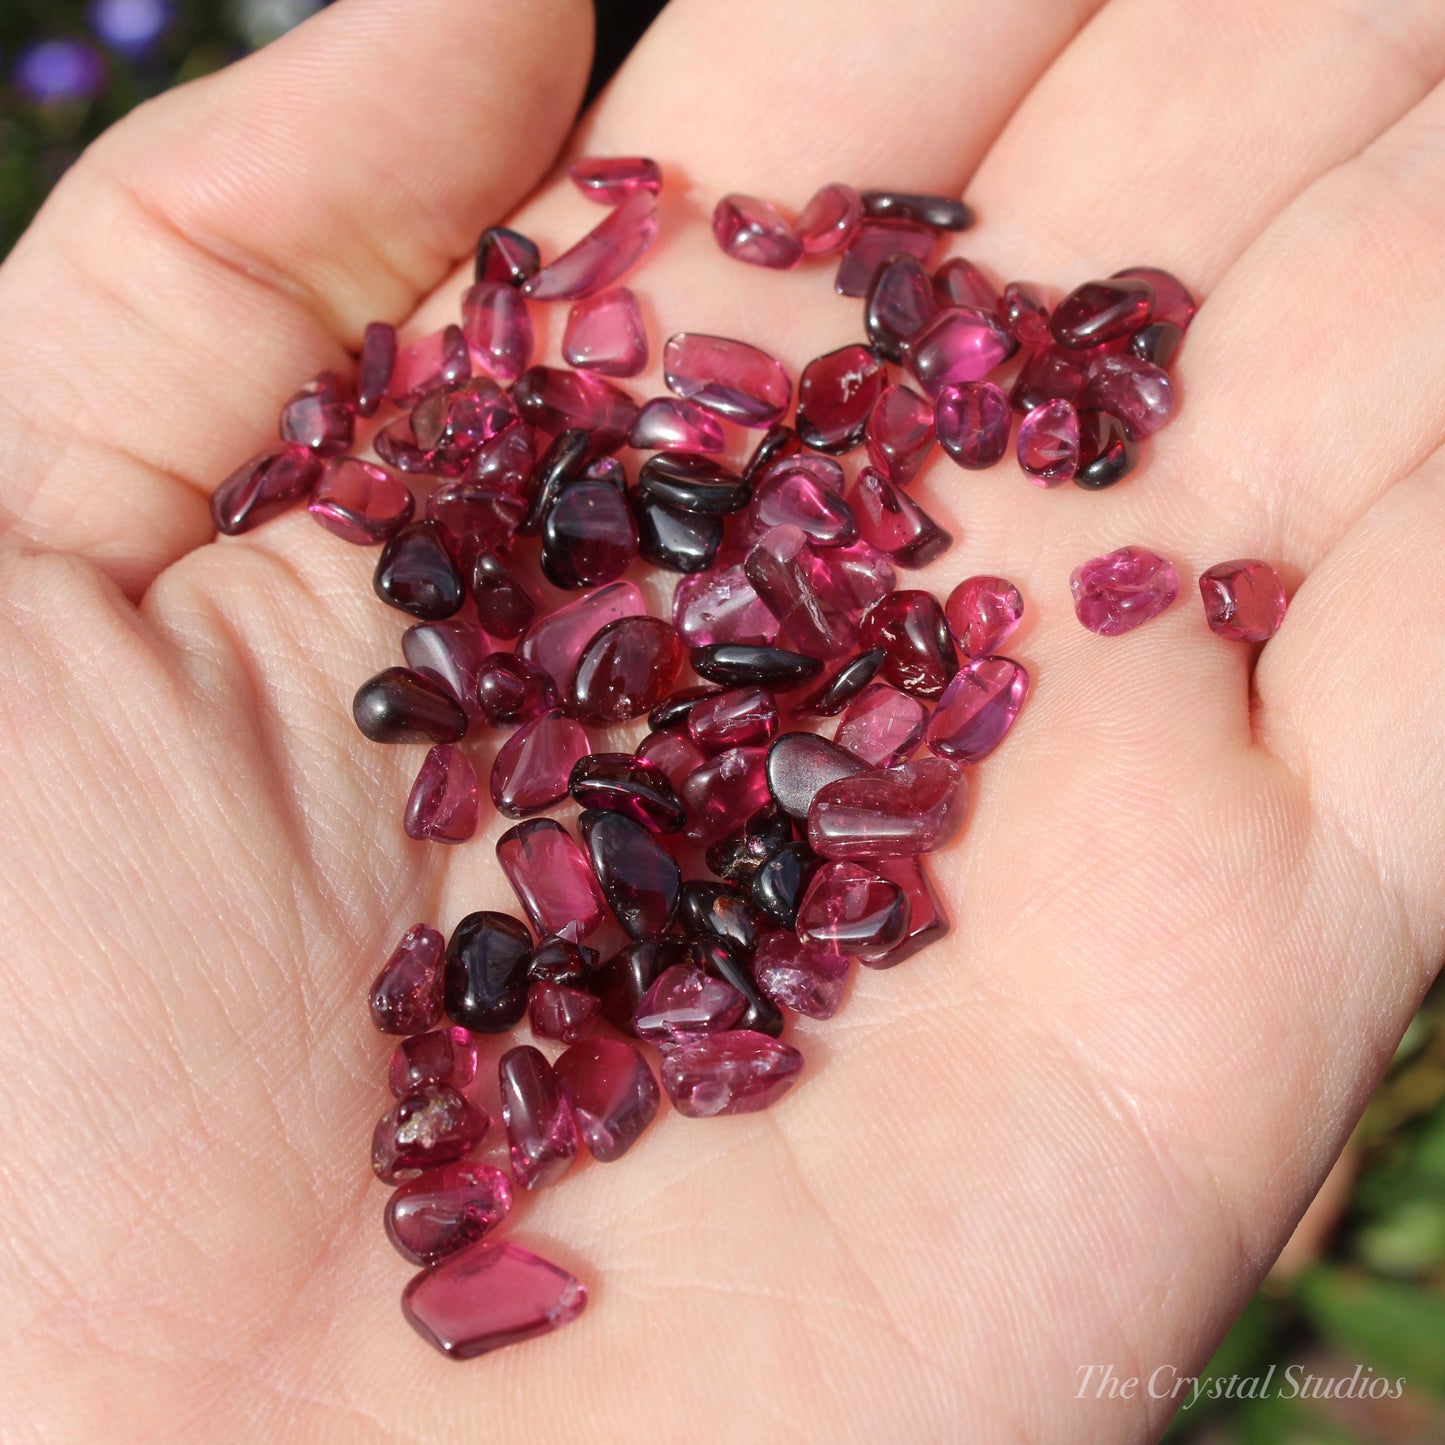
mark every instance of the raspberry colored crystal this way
{"type": "Point", "coordinates": [959, 345]}
{"type": "Point", "coordinates": [1139, 393]}
{"type": "Point", "coordinates": [722, 910]}
{"type": "Point", "coordinates": [321, 416]}
{"type": "Point", "coordinates": [775, 445]}
{"type": "Point", "coordinates": [625, 978]}
{"type": "Point", "coordinates": [610, 179]}
{"type": "Point", "coordinates": [541, 1134]}
{"type": "Point", "coordinates": [836, 395]}
{"type": "Point", "coordinates": [512, 690]}
{"type": "Point", "coordinates": [504, 462]}
{"type": "Point", "coordinates": [415, 573]}
{"type": "Point", "coordinates": [958, 282]}
{"type": "Point", "coordinates": [900, 304]}
{"type": "Point", "coordinates": [504, 255]}
{"type": "Point", "coordinates": [837, 691]}
{"type": "Point", "coordinates": [490, 1295]}
{"type": "Point", "coordinates": [871, 245]}
{"type": "Point", "coordinates": [894, 813]}
{"type": "Point", "coordinates": [942, 213]}
{"type": "Point", "coordinates": [1122, 590]}
{"type": "Point", "coordinates": [632, 786]}
{"type": "Point", "coordinates": [552, 879]}
{"type": "Point", "coordinates": [977, 708]}
{"type": "Point", "coordinates": [556, 1011]}
{"type": "Point", "coordinates": [378, 358]}
{"type": "Point", "coordinates": [927, 920]}
{"type": "Point", "coordinates": [777, 887]}
{"type": "Point", "coordinates": [452, 424]}
{"type": "Point", "coordinates": [486, 972]}
{"type": "Point", "coordinates": [359, 502]}
{"type": "Point", "coordinates": [605, 334]}
{"type": "Point", "coordinates": [436, 361]}
{"type": "Point", "coordinates": [690, 483]}
{"type": "Point", "coordinates": [504, 606]}
{"type": "Point", "coordinates": [1107, 451]}
{"type": "Point", "coordinates": [406, 996]}
{"type": "Point", "coordinates": [560, 960]}
{"type": "Point", "coordinates": [668, 423]}
{"type": "Point", "coordinates": [264, 487]}
{"type": "Point", "coordinates": [738, 1072]}
{"type": "Point", "coordinates": [733, 664]}
{"type": "Point", "coordinates": [613, 1094]}
{"type": "Point", "coordinates": [738, 856]}
{"type": "Point", "coordinates": [433, 1126]}
{"type": "Point", "coordinates": [450, 653]}
{"type": "Point", "coordinates": [721, 606]}
{"type": "Point", "coordinates": [532, 768]}
{"type": "Point", "coordinates": [973, 422]}
{"type": "Point", "coordinates": [675, 754]}
{"type": "Point", "coordinates": [444, 805]}
{"type": "Point", "coordinates": [1102, 311]}
{"type": "Point", "coordinates": [1048, 444]}
{"type": "Point", "coordinates": [1049, 374]}
{"type": "Point", "coordinates": [473, 520]}
{"type": "Point", "coordinates": [1157, 343]}
{"type": "Point", "coordinates": [794, 583]}
{"type": "Point", "coordinates": [731, 378]}
{"type": "Point", "coordinates": [553, 400]}
{"type": "Point", "coordinates": [684, 1003]}
{"type": "Point", "coordinates": [401, 706]}
{"type": "Point", "coordinates": [893, 522]}
{"type": "Point", "coordinates": [440, 1056]}
{"type": "Point", "coordinates": [639, 877]}
{"type": "Point", "coordinates": [498, 329]}
{"type": "Point", "coordinates": [792, 496]}
{"type": "Point", "coordinates": [722, 793]}
{"type": "Point", "coordinates": [882, 726]}
{"type": "Point", "coordinates": [827, 222]}
{"type": "Point", "coordinates": [556, 640]}
{"type": "Point", "coordinates": [603, 256]}
{"type": "Point", "coordinates": [1243, 601]}
{"type": "Point", "coordinates": [800, 764]}
{"type": "Point", "coordinates": [755, 231]}
{"type": "Point", "coordinates": [850, 909]}
{"type": "Point", "coordinates": [722, 959]}
{"type": "Point", "coordinates": [445, 1210]}
{"type": "Point", "coordinates": [983, 613]}
{"type": "Point", "coordinates": [900, 434]}
{"type": "Point", "coordinates": [800, 976]}
{"type": "Point", "coordinates": [1172, 301]}
{"type": "Point", "coordinates": [589, 536]}
{"type": "Point", "coordinates": [675, 709]}
{"type": "Point", "coordinates": [626, 670]}
{"type": "Point", "coordinates": [738, 717]}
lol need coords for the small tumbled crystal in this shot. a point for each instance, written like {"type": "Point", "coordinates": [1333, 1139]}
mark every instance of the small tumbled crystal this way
{"type": "Point", "coordinates": [557, 1011]}
{"type": "Point", "coordinates": [433, 1126]}
{"type": "Point", "coordinates": [498, 329]}
{"type": "Point", "coordinates": [910, 627]}
{"type": "Point", "coordinates": [622, 783]}
{"type": "Point", "coordinates": [450, 653]}
{"type": "Point", "coordinates": [799, 764]}
{"type": "Point", "coordinates": [684, 1003]}
{"type": "Point", "coordinates": [1048, 444]}
{"type": "Point", "coordinates": [834, 693]}
{"type": "Point", "coordinates": [512, 690]}
{"type": "Point", "coordinates": [552, 879]}
{"type": "Point", "coordinates": [960, 344]}
{"type": "Point", "coordinates": [668, 423]}
{"type": "Point", "coordinates": [1049, 373]}
{"type": "Point", "coordinates": [639, 878]}
{"type": "Point", "coordinates": [415, 573]}
{"type": "Point", "coordinates": [739, 855]}
{"type": "Point", "coordinates": [1122, 590]}
{"type": "Point", "coordinates": [795, 584]}
{"type": "Point", "coordinates": [882, 726]}
{"type": "Point", "coordinates": [721, 606]}
{"type": "Point", "coordinates": [958, 282]}
{"type": "Point", "coordinates": [504, 606]}
{"type": "Point", "coordinates": [737, 664]}
{"type": "Point", "coordinates": [434, 362]}
{"type": "Point", "coordinates": [737, 1072]}
{"type": "Point", "coordinates": [440, 1056]}
{"type": "Point", "coordinates": [900, 434]}
{"type": "Point", "coordinates": [1024, 316]}
{"type": "Point", "coordinates": [613, 1094]}
{"type": "Point", "coordinates": [504, 255]}
{"type": "Point", "coordinates": [836, 395]}
{"type": "Point", "coordinates": [1172, 301]}
{"type": "Point", "coordinates": [777, 887]}
{"type": "Point", "coordinates": [1102, 311]}
{"type": "Point", "coordinates": [890, 520]}
{"type": "Point", "coordinates": [896, 812]}
{"type": "Point", "coordinates": [693, 483]}
{"type": "Point", "coordinates": [827, 222]}
{"type": "Point", "coordinates": [402, 706]}
{"type": "Point", "coordinates": [983, 613]}
{"type": "Point", "coordinates": [756, 231]}
{"type": "Point", "coordinates": [321, 416]}
{"type": "Point", "coordinates": [927, 922]}
{"type": "Point", "coordinates": [1139, 393]}
{"type": "Point", "coordinates": [610, 179]}
{"type": "Point", "coordinates": [603, 256]}
{"type": "Point", "coordinates": [406, 996]}
{"type": "Point", "coordinates": [486, 972]}
{"type": "Point", "coordinates": [737, 717]}
{"type": "Point", "coordinates": [1107, 450]}
{"type": "Point", "coordinates": [264, 487]}
{"type": "Point", "coordinates": [721, 909]}
{"type": "Point", "coordinates": [1243, 601]}
{"type": "Point", "coordinates": [721, 793]}
{"type": "Point", "coordinates": [872, 244]}
{"type": "Point", "coordinates": [444, 805]}
{"type": "Point", "coordinates": [675, 540]}
{"type": "Point", "coordinates": [973, 421]}
{"type": "Point", "coordinates": [731, 378]}
{"type": "Point", "coordinates": [531, 770]}
{"type": "Point", "coordinates": [942, 213]}
{"type": "Point", "coordinates": [556, 639]}
{"type": "Point", "coordinates": [446, 1210]}
{"type": "Point", "coordinates": [541, 1134]}
{"type": "Point", "coordinates": [589, 536]}
{"type": "Point", "coordinates": [605, 334]}
{"type": "Point", "coordinates": [850, 909]}
{"type": "Point", "coordinates": [625, 670]}
{"type": "Point", "coordinates": [554, 400]}
{"type": "Point", "coordinates": [803, 977]}
{"type": "Point", "coordinates": [900, 304]}
{"type": "Point", "coordinates": [622, 981]}
{"type": "Point", "coordinates": [977, 709]}
{"type": "Point", "coordinates": [723, 959]}
{"type": "Point", "coordinates": [378, 357]}
{"type": "Point", "coordinates": [360, 502]}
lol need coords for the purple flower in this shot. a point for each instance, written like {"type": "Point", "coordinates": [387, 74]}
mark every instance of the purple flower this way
{"type": "Point", "coordinates": [56, 71]}
{"type": "Point", "coordinates": [131, 27]}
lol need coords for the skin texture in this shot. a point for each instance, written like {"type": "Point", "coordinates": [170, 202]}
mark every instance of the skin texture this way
{"type": "Point", "coordinates": [1195, 906]}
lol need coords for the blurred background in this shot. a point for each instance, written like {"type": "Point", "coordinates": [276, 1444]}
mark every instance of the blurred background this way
{"type": "Point", "coordinates": [1363, 1281]}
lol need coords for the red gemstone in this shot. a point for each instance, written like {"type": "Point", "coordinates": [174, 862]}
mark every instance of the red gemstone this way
{"type": "Point", "coordinates": [450, 424]}
{"type": "Point", "coordinates": [911, 629]}
{"type": "Point", "coordinates": [490, 1295]}
{"type": "Point", "coordinates": [960, 344]}
{"type": "Point", "coordinates": [895, 813]}
{"type": "Point", "coordinates": [401, 706]}
{"type": "Point", "coordinates": [1122, 590]}
{"type": "Point", "coordinates": [900, 304]}
{"type": "Point", "coordinates": [444, 805]}
{"type": "Point", "coordinates": [639, 877]}
{"type": "Point", "coordinates": [475, 519]}
{"type": "Point", "coordinates": [977, 708]}
{"type": "Point", "coordinates": [668, 423]}
{"type": "Point", "coordinates": [960, 283]}
{"type": "Point", "coordinates": [1049, 374]}
{"type": "Point", "coordinates": [738, 717]}
{"type": "Point", "coordinates": [1139, 393]}
{"type": "Point", "coordinates": [613, 1094]}
{"type": "Point", "coordinates": [801, 764]}
{"type": "Point", "coordinates": [1048, 444]}
{"type": "Point", "coordinates": [552, 879]}
{"type": "Point", "coordinates": [738, 1072]}
{"type": "Point", "coordinates": [445, 1210]}
{"type": "Point", "coordinates": [441, 1056]}
{"type": "Point", "coordinates": [556, 1011]}
{"type": "Point", "coordinates": [531, 769]}
{"type": "Point", "coordinates": [863, 572]}
{"type": "Point", "coordinates": [504, 606]}
{"type": "Point", "coordinates": [684, 1003]}
{"type": "Point", "coordinates": [801, 976]}
{"type": "Point", "coordinates": [625, 670]}
{"type": "Point", "coordinates": [927, 920]}
{"type": "Point", "coordinates": [721, 606]}
{"type": "Point", "coordinates": [1243, 601]}
{"type": "Point", "coordinates": [512, 690]}
{"type": "Point", "coordinates": [827, 222]}
{"type": "Point", "coordinates": [893, 522]}
{"type": "Point", "coordinates": [900, 434]}
{"type": "Point", "coordinates": [973, 422]}
{"type": "Point", "coordinates": [872, 244]}
{"type": "Point", "coordinates": [264, 487]}
{"type": "Point", "coordinates": [556, 640]}
{"type": "Point", "coordinates": [794, 583]}
{"type": "Point", "coordinates": [748, 229]}
{"type": "Point", "coordinates": [406, 996]}
{"type": "Point", "coordinates": [674, 754]}
{"type": "Point", "coordinates": [1107, 450]}
{"type": "Point", "coordinates": [724, 792]}
{"type": "Point", "coordinates": [589, 536]}
{"type": "Point", "coordinates": [793, 496]}
{"type": "Point", "coordinates": [610, 179]}
{"type": "Point", "coordinates": [504, 462]}
{"type": "Point", "coordinates": [836, 396]}
{"type": "Point", "coordinates": [1024, 316]}
{"type": "Point", "coordinates": [622, 783]}
{"type": "Point", "coordinates": [504, 255]}
{"type": "Point", "coordinates": [850, 909]}
{"type": "Point", "coordinates": [541, 1134]}
{"type": "Point", "coordinates": [321, 416]}
{"type": "Point", "coordinates": [553, 400]}
{"type": "Point", "coordinates": [436, 361]}
{"type": "Point", "coordinates": [378, 357]}
{"type": "Point", "coordinates": [498, 329]}
{"type": "Point", "coordinates": [605, 334]}
{"type": "Point", "coordinates": [983, 613]}
{"type": "Point", "coordinates": [433, 1126]}
{"type": "Point", "coordinates": [882, 726]}
{"type": "Point", "coordinates": [731, 378]}
{"type": "Point", "coordinates": [450, 653]}
{"type": "Point", "coordinates": [360, 502]}
{"type": "Point", "coordinates": [1102, 311]}
{"type": "Point", "coordinates": [1172, 301]}
{"type": "Point", "coordinates": [603, 256]}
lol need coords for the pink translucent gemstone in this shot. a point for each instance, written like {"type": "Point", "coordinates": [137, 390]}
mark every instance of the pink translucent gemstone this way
{"type": "Point", "coordinates": [738, 717]}
{"type": "Point", "coordinates": [1139, 393]}
{"type": "Point", "coordinates": [322, 415]}
{"type": "Point", "coordinates": [721, 606]}
{"type": "Point", "coordinates": [900, 304]}
{"type": "Point", "coordinates": [900, 434]}
{"type": "Point", "coordinates": [738, 1072]}
{"type": "Point", "coordinates": [264, 487]}
{"type": "Point", "coordinates": [553, 400]}
{"type": "Point", "coordinates": [882, 725]}
{"type": "Point", "coordinates": [800, 976]}
{"type": "Point", "coordinates": [731, 378]}
{"type": "Point", "coordinates": [983, 613]}
{"type": "Point", "coordinates": [851, 909]}
{"type": "Point", "coordinates": [609, 179]}
{"type": "Point", "coordinates": [625, 671]}
{"type": "Point", "coordinates": [490, 1295]}
{"type": "Point", "coordinates": [683, 1003]}
{"type": "Point", "coordinates": [557, 639]}
{"type": "Point", "coordinates": [894, 523]}
{"type": "Point", "coordinates": [1122, 590]}
{"type": "Point", "coordinates": [1048, 444]}
{"type": "Point", "coordinates": [973, 421]}
{"type": "Point", "coordinates": [756, 231]}
{"type": "Point", "coordinates": [360, 502]}
{"type": "Point", "coordinates": [433, 1126]}
{"type": "Point", "coordinates": [896, 813]}
{"type": "Point", "coordinates": [910, 627]}
{"type": "Point", "coordinates": [873, 243]}
{"type": "Point", "coordinates": [450, 653]}
{"type": "Point", "coordinates": [552, 879]}
{"type": "Point", "coordinates": [446, 1209]}
{"type": "Point", "coordinates": [512, 690]}
{"type": "Point", "coordinates": [958, 282]}
{"type": "Point", "coordinates": [793, 496]}
{"type": "Point", "coordinates": [541, 1134]}
{"type": "Point", "coordinates": [504, 462]}
{"type": "Point", "coordinates": [1172, 301]}
{"type": "Point", "coordinates": [450, 425]}
{"type": "Point", "coordinates": [977, 708]}
{"type": "Point", "coordinates": [406, 996]}
{"type": "Point", "coordinates": [1024, 316]}
{"type": "Point", "coordinates": [827, 222]}
{"type": "Point", "coordinates": [824, 470]}
{"type": "Point", "coordinates": [1243, 601]}
{"type": "Point", "coordinates": [613, 1094]}
{"type": "Point", "coordinates": [532, 768]}
{"type": "Point", "coordinates": [441, 1056]}
{"type": "Point", "coordinates": [724, 792]}
{"type": "Point", "coordinates": [927, 921]}
{"type": "Point", "coordinates": [438, 360]}
{"type": "Point", "coordinates": [556, 1011]}
{"type": "Point", "coordinates": [1102, 311]}
{"type": "Point", "coordinates": [674, 752]}
{"type": "Point", "coordinates": [445, 804]}
{"type": "Point", "coordinates": [605, 334]}
{"type": "Point", "coordinates": [668, 423]}
{"type": "Point", "coordinates": [863, 572]}
{"type": "Point", "coordinates": [498, 329]}
{"type": "Point", "coordinates": [603, 256]}
{"type": "Point", "coordinates": [378, 357]}
{"type": "Point", "coordinates": [836, 395]}
{"type": "Point", "coordinates": [794, 583]}
{"type": "Point", "coordinates": [1048, 374]}
{"type": "Point", "coordinates": [960, 344]}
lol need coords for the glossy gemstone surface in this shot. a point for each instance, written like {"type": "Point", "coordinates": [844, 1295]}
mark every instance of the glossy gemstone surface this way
{"type": "Point", "coordinates": [739, 855]}
{"type": "Point", "coordinates": [958, 282]}
{"type": "Point", "coordinates": [445, 1210]}
{"type": "Point", "coordinates": [872, 244]}
{"type": "Point", "coordinates": [942, 213]}
{"type": "Point", "coordinates": [433, 1126]}
{"type": "Point", "coordinates": [450, 653]}
{"type": "Point", "coordinates": [836, 395]}
{"type": "Point", "coordinates": [1048, 444]}
{"type": "Point", "coordinates": [668, 423]}
{"type": "Point", "coordinates": [737, 717]}
{"type": "Point", "coordinates": [589, 536]}
{"type": "Point", "coordinates": [1243, 601]}
{"type": "Point", "coordinates": [1121, 590]}
{"type": "Point", "coordinates": [827, 222]}
{"type": "Point", "coordinates": [851, 909]}
{"type": "Point", "coordinates": [378, 357]}
{"type": "Point", "coordinates": [321, 416]}
{"type": "Point", "coordinates": [732, 378]}
{"type": "Point", "coordinates": [603, 256]}
{"type": "Point", "coordinates": [882, 726]}
{"type": "Point", "coordinates": [505, 255]}
{"type": "Point", "coordinates": [977, 708]}
{"type": "Point", "coordinates": [895, 813]}
{"type": "Point", "coordinates": [622, 981]}
{"type": "Point", "coordinates": [1102, 311]}
{"type": "Point", "coordinates": [504, 606]}
{"type": "Point", "coordinates": [900, 434]}
{"type": "Point", "coordinates": [444, 805]}
{"type": "Point", "coordinates": [552, 879]}
{"type": "Point", "coordinates": [439, 1056]}
{"type": "Point", "coordinates": [910, 627]}
{"type": "Point", "coordinates": [723, 792]}
{"type": "Point", "coordinates": [553, 400]}
{"type": "Point", "coordinates": [622, 783]}
{"type": "Point", "coordinates": [834, 693]}
{"type": "Point", "coordinates": [683, 1003]}
{"type": "Point", "coordinates": [401, 706]}
{"type": "Point", "coordinates": [756, 231]}
{"type": "Point", "coordinates": [900, 304]}
{"type": "Point", "coordinates": [558, 1011]}
{"type": "Point", "coordinates": [639, 877]}
{"type": "Point", "coordinates": [626, 670]}
{"type": "Point", "coordinates": [1139, 393]}
{"type": "Point", "coordinates": [777, 887]}
{"type": "Point", "coordinates": [498, 328]}
{"type": "Point", "coordinates": [605, 334]}
{"type": "Point", "coordinates": [960, 344]}
{"type": "Point", "coordinates": [486, 972]}
{"type": "Point", "coordinates": [610, 179]}
{"type": "Point", "coordinates": [360, 502]}
{"type": "Point", "coordinates": [264, 487]}
{"type": "Point", "coordinates": [613, 1094]}
{"type": "Point", "coordinates": [973, 422]}
{"type": "Point", "coordinates": [692, 483]}
{"type": "Point", "coordinates": [531, 771]}
{"type": "Point", "coordinates": [406, 996]}
{"type": "Point", "coordinates": [415, 573]}
{"type": "Point", "coordinates": [721, 606]}
{"type": "Point", "coordinates": [927, 921]}
{"type": "Point", "coordinates": [1172, 299]}
{"type": "Point", "coordinates": [799, 764]}
{"type": "Point", "coordinates": [541, 1134]}
{"type": "Point", "coordinates": [797, 587]}
{"type": "Point", "coordinates": [983, 612]}
{"type": "Point", "coordinates": [738, 1072]}
{"type": "Point", "coordinates": [803, 977]}
{"type": "Point", "coordinates": [735, 664]}
{"type": "Point", "coordinates": [440, 359]}
{"type": "Point", "coordinates": [1107, 450]}
{"type": "Point", "coordinates": [890, 520]}
{"type": "Point", "coordinates": [512, 690]}
{"type": "Point", "coordinates": [555, 640]}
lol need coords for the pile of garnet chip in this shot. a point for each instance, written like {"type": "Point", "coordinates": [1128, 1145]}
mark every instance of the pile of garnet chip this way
{"type": "Point", "coordinates": [811, 715]}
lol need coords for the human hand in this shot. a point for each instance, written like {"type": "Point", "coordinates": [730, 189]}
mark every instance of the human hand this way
{"type": "Point", "coordinates": [1197, 899]}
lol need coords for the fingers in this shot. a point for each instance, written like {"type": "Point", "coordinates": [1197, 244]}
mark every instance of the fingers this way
{"type": "Point", "coordinates": [227, 240]}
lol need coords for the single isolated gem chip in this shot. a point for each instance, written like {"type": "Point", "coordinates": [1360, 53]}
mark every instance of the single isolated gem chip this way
{"type": "Point", "coordinates": [1243, 601]}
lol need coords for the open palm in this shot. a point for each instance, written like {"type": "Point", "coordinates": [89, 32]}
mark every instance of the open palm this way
{"type": "Point", "coordinates": [1193, 909]}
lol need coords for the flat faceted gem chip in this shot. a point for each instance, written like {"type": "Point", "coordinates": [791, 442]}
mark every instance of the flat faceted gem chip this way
{"type": "Point", "coordinates": [738, 1072]}
{"type": "Point", "coordinates": [498, 329]}
{"type": "Point", "coordinates": [1243, 601]}
{"type": "Point", "coordinates": [977, 709]}
{"type": "Point", "coordinates": [1122, 590]}
{"type": "Point", "coordinates": [264, 487]}
{"type": "Point", "coordinates": [504, 255]}
{"type": "Point", "coordinates": [490, 1295]}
